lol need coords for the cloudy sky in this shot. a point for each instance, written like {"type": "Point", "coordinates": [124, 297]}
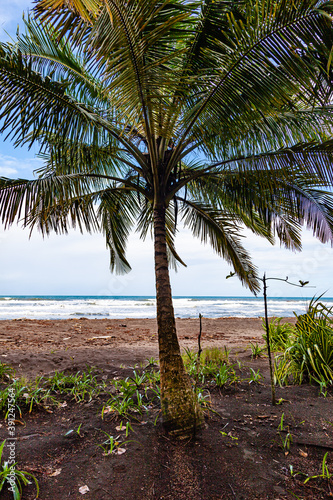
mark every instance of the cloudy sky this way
{"type": "Point", "coordinates": [78, 264]}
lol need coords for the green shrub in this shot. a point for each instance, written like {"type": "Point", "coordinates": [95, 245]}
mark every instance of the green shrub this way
{"type": "Point", "coordinates": [281, 335]}
{"type": "Point", "coordinates": [312, 349]}
{"type": "Point", "coordinates": [286, 371]}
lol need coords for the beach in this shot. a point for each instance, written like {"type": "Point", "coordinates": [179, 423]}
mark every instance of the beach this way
{"type": "Point", "coordinates": [60, 443]}
{"type": "Point", "coordinates": [35, 347]}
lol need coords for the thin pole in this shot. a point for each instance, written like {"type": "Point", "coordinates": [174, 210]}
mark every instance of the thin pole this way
{"type": "Point", "coordinates": [199, 352]}
{"type": "Point", "coordinates": [199, 337]}
{"type": "Point", "coordinates": [269, 342]}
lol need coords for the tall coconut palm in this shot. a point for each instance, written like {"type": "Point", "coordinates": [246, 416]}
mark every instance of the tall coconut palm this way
{"type": "Point", "coordinates": [214, 112]}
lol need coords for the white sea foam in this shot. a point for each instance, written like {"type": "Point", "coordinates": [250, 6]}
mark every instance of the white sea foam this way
{"type": "Point", "coordinates": [145, 307]}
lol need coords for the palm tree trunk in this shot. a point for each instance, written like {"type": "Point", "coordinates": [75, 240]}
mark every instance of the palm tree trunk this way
{"type": "Point", "coordinates": [181, 413]}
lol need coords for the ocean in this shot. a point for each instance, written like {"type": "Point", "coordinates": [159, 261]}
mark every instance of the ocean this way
{"type": "Point", "coordinates": [64, 307]}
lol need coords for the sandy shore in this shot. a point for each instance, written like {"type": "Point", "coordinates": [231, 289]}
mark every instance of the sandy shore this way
{"type": "Point", "coordinates": [35, 347]}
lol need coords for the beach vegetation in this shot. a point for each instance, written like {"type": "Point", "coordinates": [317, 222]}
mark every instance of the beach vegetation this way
{"type": "Point", "coordinates": [255, 376]}
{"type": "Point", "coordinates": [281, 334]}
{"type": "Point", "coordinates": [82, 386]}
{"type": "Point", "coordinates": [7, 372]}
{"type": "Point", "coordinates": [215, 368]}
{"type": "Point", "coordinates": [216, 114]}
{"type": "Point", "coordinates": [13, 478]}
{"type": "Point", "coordinates": [225, 375]}
{"type": "Point", "coordinates": [24, 395]}
{"type": "Point", "coordinates": [306, 349]}
{"type": "Point", "coordinates": [113, 445]}
{"type": "Point", "coordinates": [284, 371]}
{"type": "Point", "coordinates": [216, 355]}
{"type": "Point", "coordinates": [45, 392]}
{"type": "Point", "coordinates": [207, 365]}
{"type": "Point", "coordinates": [136, 394]}
{"type": "Point", "coordinates": [256, 350]}
{"type": "Point", "coordinates": [325, 473]}
{"type": "Point", "coordinates": [312, 350]}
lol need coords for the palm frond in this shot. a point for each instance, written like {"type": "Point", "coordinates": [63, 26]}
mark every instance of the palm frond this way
{"type": "Point", "coordinates": [32, 103]}
{"type": "Point", "coordinates": [48, 204]}
{"type": "Point", "coordinates": [260, 68]}
{"type": "Point", "coordinates": [61, 61]}
{"type": "Point", "coordinates": [222, 232]}
{"type": "Point", "coordinates": [117, 211]}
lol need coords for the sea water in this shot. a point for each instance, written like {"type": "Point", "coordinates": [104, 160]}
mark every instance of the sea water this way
{"type": "Point", "coordinates": [64, 307]}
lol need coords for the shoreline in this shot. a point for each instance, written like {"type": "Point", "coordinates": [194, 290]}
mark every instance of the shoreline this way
{"type": "Point", "coordinates": [140, 307]}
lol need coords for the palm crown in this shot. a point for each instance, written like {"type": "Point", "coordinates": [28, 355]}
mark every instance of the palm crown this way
{"type": "Point", "coordinates": [216, 112]}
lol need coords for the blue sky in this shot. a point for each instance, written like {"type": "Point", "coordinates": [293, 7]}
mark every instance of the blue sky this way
{"type": "Point", "coordinates": [79, 264]}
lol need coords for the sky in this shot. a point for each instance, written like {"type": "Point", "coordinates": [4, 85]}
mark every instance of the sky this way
{"type": "Point", "coordinates": [76, 264]}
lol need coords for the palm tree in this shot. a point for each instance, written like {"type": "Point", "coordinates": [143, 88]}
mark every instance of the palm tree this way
{"type": "Point", "coordinates": [147, 111]}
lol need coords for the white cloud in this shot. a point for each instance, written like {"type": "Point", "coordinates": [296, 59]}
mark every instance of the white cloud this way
{"type": "Point", "coordinates": [79, 265]}
{"type": "Point", "coordinates": [7, 171]}
{"type": "Point", "coordinates": [14, 167]}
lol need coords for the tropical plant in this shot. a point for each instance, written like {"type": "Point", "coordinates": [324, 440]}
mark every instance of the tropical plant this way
{"type": "Point", "coordinates": [284, 371]}
{"type": "Point", "coordinates": [281, 335]}
{"type": "Point", "coordinates": [308, 349]}
{"type": "Point", "coordinates": [256, 350]}
{"type": "Point", "coordinates": [225, 375]}
{"type": "Point", "coordinates": [312, 351]}
{"type": "Point", "coordinates": [146, 111]}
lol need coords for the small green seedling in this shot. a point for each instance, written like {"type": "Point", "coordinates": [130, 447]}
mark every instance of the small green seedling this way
{"type": "Point", "coordinates": [14, 478]}
{"type": "Point", "coordinates": [281, 426]}
{"type": "Point", "coordinates": [128, 427]}
{"type": "Point", "coordinates": [287, 440]}
{"type": "Point", "coordinates": [77, 431]}
{"type": "Point", "coordinates": [112, 445]}
{"type": "Point", "coordinates": [281, 401]}
{"type": "Point", "coordinates": [256, 350]}
{"type": "Point", "coordinates": [325, 473]}
{"type": "Point", "coordinates": [225, 434]}
{"type": "Point", "coordinates": [255, 377]}
{"type": "Point", "coordinates": [152, 361]}
{"type": "Point", "coordinates": [294, 474]}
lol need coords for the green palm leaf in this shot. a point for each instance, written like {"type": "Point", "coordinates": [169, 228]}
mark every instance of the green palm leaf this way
{"type": "Point", "coordinates": [223, 234]}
